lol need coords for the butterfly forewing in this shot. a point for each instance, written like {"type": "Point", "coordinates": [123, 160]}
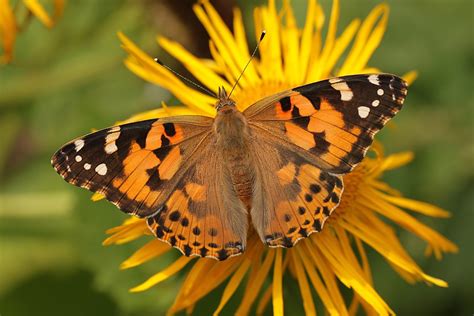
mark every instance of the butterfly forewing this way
{"type": "Point", "coordinates": [333, 121]}
{"type": "Point", "coordinates": [136, 165]}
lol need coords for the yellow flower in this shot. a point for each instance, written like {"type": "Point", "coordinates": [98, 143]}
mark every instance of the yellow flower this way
{"type": "Point", "coordinates": [9, 25]}
{"type": "Point", "coordinates": [323, 262]}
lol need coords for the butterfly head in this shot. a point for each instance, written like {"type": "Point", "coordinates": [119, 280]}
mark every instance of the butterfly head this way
{"type": "Point", "coordinates": [223, 99]}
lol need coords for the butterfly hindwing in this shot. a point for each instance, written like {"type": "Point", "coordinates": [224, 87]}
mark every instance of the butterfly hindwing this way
{"type": "Point", "coordinates": [333, 121]}
{"type": "Point", "coordinates": [203, 216]}
{"type": "Point", "coordinates": [136, 165]}
{"type": "Point", "coordinates": [293, 198]}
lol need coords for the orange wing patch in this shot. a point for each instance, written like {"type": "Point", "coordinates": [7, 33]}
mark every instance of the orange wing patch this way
{"type": "Point", "coordinates": [300, 136]}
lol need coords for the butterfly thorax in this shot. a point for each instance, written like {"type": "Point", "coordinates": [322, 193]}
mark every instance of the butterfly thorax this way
{"type": "Point", "coordinates": [232, 142]}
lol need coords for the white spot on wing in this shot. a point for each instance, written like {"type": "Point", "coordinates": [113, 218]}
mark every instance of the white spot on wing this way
{"type": "Point", "coordinates": [101, 169]}
{"type": "Point", "coordinates": [346, 92]}
{"type": "Point", "coordinates": [78, 158]}
{"type": "Point", "coordinates": [110, 139]}
{"type": "Point", "coordinates": [335, 80]}
{"type": "Point", "coordinates": [79, 144]}
{"type": "Point", "coordinates": [346, 95]}
{"type": "Point", "coordinates": [374, 79]}
{"type": "Point", "coordinates": [87, 166]}
{"type": "Point", "coordinates": [363, 111]}
{"type": "Point", "coordinates": [375, 103]}
{"type": "Point", "coordinates": [380, 91]}
{"type": "Point", "coordinates": [111, 148]}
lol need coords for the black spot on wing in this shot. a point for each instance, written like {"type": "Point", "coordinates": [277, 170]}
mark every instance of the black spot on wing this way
{"type": "Point", "coordinates": [285, 104]}
{"type": "Point", "coordinates": [203, 251]}
{"type": "Point", "coordinates": [322, 144]}
{"type": "Point", "coordinates": [301, 121]}
{"type": "Point", "coordinates": [162, 152]}
{"type": "Point", "coordinates": [187, 250]}
{"type": "Point", "coordinates": [169, 129]}
{"type": "Point", "coordinates": [174, 216]}
{"type": "Point", "coordinates": [222, 254]}
{"type": "Point", "coordinates": [154, 180]}
{"type": "Point", "coordinates": [317, 225]}
{"type": "Point", "coordinates": [184, 222]}
{"type": "Point", "coordinates": [196, 231]}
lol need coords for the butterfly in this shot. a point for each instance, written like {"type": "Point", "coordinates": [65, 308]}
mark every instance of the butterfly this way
{"type": "Point", "coordinates": [204, 184]}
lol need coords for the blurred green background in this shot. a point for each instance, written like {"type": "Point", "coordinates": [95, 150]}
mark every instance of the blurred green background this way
{"type": "Point", "coordinates": [67, 80]}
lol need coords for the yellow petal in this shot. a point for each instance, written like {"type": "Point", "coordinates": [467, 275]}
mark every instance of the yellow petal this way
{"type": "Point", "coordinates": [317, 69]}
{"type": "Point", "coordinates": [386, 243]}
{"type": "Point", "coordinates": [164, 111]}
{"type": "Point", "coordinates": [365, 261]}
{"type": "Point", "coordinates": [195, 277]}
{"type": "Point", "coordinates": [144, 66]}
{"type": "Point", "coordinates": [163, 275]}
{"type": "Point", "coordinates": [290, 49]}
{"type": "Point", "coordinates": [330, 250]}
{"type": "Point", "coordinates": [131, 230]}
{"type": "Point", "coordinates": [417, 206]}
{"type": "Point", "coordinates": [199, 102]}
{"type": "Point", "coordinates": [97, 197]}
{"type": "Point", "coordinates": [211, 64]}
{"type": "Point", "coordinates": [367, 40]}
{"type": "Point", "coordinates": [58, 8]}
{"type": "Point", "coordinates": [241, 57]}
{"type": "Point", "coordinates": [231, 287]}
{"type": "Point", "coordinates": [318, 285]}
{"type": "Point", "coordinates": [308, 303]}
{"type": "Point", "coordinates": [330, 281]}
{"type": "Point", "coordinates": [306, 41]}
{"type": "Point", "coordinates": [206, 76]}
{"type": "Point", "coordinates": [213, 277]}
{"type": "Point", "coordinates": [240, 35]}
{"type": "Point", "coordinates": [37, 9]}
{"type": "Point", "coordinates": [262, 304]}
{"type": "Point", "coordinates": [222, 64]}
{"type": "Point", "coordinates": [220, 44]}
{"type": "Point", "coordinates": [270, 49]}
{"type": "Point", "coordinates": [374, 39]}
{"type": "Point", "coordinates": [8, 30]}
{"type": "Point", "coordinates": [410, 77]}
{"type": "Point", "coordinates": [277, 291]}
{"type": "Point", "coordinates": [152, 249]}
{"type": "Point", "coordinates": [396, 161]}
{"type": "Point", "coordinates": [255, 284]}
{"type": "Point", "coordinates": [438, 242]}
{"type": "Point", "coordinates": [340, 46]}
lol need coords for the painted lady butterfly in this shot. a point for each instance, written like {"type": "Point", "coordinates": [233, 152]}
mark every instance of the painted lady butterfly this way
{"type": "Point", "coordinates": [278, 165]}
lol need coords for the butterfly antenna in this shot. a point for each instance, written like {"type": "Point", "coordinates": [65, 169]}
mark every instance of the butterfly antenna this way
{"type": "Point", "coordinates": [186, 79]}
{"type": "Point", "coordinates": [251, 57]}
